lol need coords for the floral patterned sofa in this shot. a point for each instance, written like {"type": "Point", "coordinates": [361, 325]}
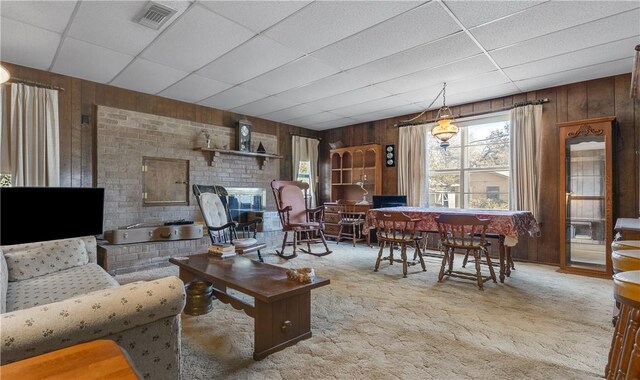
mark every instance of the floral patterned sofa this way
{"type": "Point", "coordinates": [54, 295]}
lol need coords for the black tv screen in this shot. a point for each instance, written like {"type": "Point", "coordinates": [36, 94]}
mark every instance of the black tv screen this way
{"type": "Point", "coordinates": [380, 201]}
{"type": "Point", "coordinates": [29, 214]}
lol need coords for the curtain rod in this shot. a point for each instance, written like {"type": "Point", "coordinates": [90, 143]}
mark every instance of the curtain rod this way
{"type": "Point", "coordinates": [33, 83]}
{"type": "Point", "coordinates": [309, 137]}
{"type": "Point", "coordinates": [520, 104]}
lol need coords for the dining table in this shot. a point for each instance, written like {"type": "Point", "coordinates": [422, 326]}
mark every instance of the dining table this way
{"type": "Point", "coordinates": [506, 225]}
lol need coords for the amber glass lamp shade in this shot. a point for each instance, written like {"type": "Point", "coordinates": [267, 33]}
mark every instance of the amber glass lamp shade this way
{"type": "Point", "coordinates": [445, 128]}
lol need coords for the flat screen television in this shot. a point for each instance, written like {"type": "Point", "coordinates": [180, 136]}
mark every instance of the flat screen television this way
{"type": "Point", "coordinates": [380, 201]}
{"type": "Point", "coordinates": [30, 214]}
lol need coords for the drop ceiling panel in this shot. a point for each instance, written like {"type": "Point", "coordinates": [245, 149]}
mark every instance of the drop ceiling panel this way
{"type": "Point", "coordinates": [371, 106]}
{"type": "Point", "coordinates": [606, 30]}
{"type": "Point", "coordinates": [586, 57]}
{"type": "Point", "coordinates": [255, 15]}
{"type": "Point", "coordinates": [91, 62]}
{"type": "Point", "coordinates": [489, 79]}
{"type": "Point", "coordinates": [263, 106]}
{"type": "Point", "coordinates": [194, 88]}
{"type": "Point", "coordinates": [324, 22]}
{"type": "Point", "coordinates": [484, 93]}
{"type": "Point", "coordinates": [295, 112]}
{"type": "Point", "coordinates": [454, 71]}
{"type": "Point", "coordinates": [423, 95]}
{"type": "Point", "coordinates": [315, 119]}
{"type": "Point", "coordinates": [446, 50]}
{"type": "Point", "coordinates": [195, 39]}
{"type": "Point", "coordinates": [332, 124]}
{"type": "Point", "coordinates": [148, 77]}
{"type": "Point", "coordinates": [322, 88]}
{"type": "Point", "coordinates": [231, 98]}
{"type": "Point", "coordinates": [473, 13]}
{"type": "Point", "coordinates": [578, 75]}
{"type": "Point", "coordinates": [27, 45]}
{"type": "Point", "coordinates": [51, 15]}
{"type": "Point", "coordinates": [254, 57]}
{"type": "Point", "coordinates": [418, 26]}
{"type": "Point", "coordinates": [113, 27]}
{"type": "Point", "coordinates": [294, 74]}
{"type": "Point", "coordinates": [348, 98]}
{"type": "Point", "coordinates": [546, 18]}
{"type": "Point", "coordinates": [391, 112]}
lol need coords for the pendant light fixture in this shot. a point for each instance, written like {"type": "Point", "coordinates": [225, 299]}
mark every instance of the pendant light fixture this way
{"type": "Point", "coordinates": [445, 129]}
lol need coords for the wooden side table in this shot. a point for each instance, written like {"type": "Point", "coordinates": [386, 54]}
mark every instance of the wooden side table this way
{"type": "Point", "coordinates": [99, 359]}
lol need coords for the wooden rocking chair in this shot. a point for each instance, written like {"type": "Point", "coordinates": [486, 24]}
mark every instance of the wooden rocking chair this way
{"type": "Point", "coordinates": [305, 223]}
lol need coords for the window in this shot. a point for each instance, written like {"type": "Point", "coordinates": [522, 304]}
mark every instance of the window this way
{"type": "Point", "coordinates": [474, 171]}
{"type": "Point", "coordinates": [303, 172]}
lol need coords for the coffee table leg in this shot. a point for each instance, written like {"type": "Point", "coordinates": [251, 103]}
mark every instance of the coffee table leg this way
{"type": "Point", "coordinates": [281, 324]}
{"type": "Point", "coordinates": [502, 258]}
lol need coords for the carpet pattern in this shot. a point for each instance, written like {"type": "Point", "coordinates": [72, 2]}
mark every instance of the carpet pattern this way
{"type": "Point", "coordinates": [539, 324]}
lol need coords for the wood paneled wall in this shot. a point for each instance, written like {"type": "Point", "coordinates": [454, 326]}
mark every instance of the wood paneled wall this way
{"type": "Point", "coordinates": [77, 140]}
{"type": "Point", "coordinates": [600, 97]}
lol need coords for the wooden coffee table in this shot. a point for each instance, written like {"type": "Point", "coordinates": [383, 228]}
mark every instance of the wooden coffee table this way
{"type": "Point", "coordinates": [282, 310]}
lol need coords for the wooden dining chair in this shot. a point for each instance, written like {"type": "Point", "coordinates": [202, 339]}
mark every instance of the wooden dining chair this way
{"type": "Point", "coordinates": [350, 223]}
{"type": "Point", "coordinates": [467, 233]}
{"type": "Point", "coordinates": [397, 229]}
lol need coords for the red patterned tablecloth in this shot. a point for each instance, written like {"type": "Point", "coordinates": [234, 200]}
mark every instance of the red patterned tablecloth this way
{"type": "Point", "coordinates": [511, 224]}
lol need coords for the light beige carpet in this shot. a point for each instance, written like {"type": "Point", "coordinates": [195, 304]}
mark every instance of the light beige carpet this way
{"type": "Point", "coordinates": [539, 324]}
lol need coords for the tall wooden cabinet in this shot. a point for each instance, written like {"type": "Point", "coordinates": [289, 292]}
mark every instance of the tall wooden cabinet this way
{"type": "Point", "coordinates": [350, 165]}
{"type": "Point", "coordinates": [586, 196]}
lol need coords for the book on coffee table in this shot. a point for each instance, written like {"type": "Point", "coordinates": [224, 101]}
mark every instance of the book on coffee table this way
{"type": "Point", "coordinates": [222, 250]}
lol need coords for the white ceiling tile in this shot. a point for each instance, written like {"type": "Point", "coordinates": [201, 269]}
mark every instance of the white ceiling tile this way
{"type": "Point", "coordinates": [324, 22]}
{"type": "Point", "coordinates": [422, 57]}
{"type": "Point", "coordinates": [254, 57]}
{"type": "Point", "coordinates": [91, 62]}
{"type": "Point", "coordinates": [602, 70]}
{"type": "Point", "coordinates": [195, 39]}
{"type": "Point", "coordinates": [295, 112]}
{"type": "Point", "coordinates": [485, 93]}
{"type": "Point", "coordinates": [27, 45]}
{"type": "Point", "coordinates": [473, 13]}
{"type": "Point", "coordinates": [546, 18]}
{"type": "Point", "coordinates": [418, 26]}
{"type": "Point", "coordinates": [194, 88]}
{"type": "Point", "coordinates": [371, 106]}
{"type": "Point", "coordinates": [423, 95]}
{"type": "Point", "coordinates": [454, 71]}
{"type": "Point", "coordinates": [50, 15]}
{"type": "Point", "coordinates": [348, 98]}
{"type": "Point", "coordinates": [148, 77]}
{"type": "Point", "coordinates": [489, 79]}
{"type": "Point", "coordinates": [294, 74]}
{"type": "Point", "coordinates": [332, 85]}
{"type": "Point", "coordinates": [263, 106]}
{"type": "Point", "coordinates": [231, 98]}
{"type": "Point", "coordinates": [606, 30]}
{"type": "Point", "coordinates": [585, 57]}
{"type": "Point", "coordinates": [391, 112]}
{"type": "Point", "coordinates": [255, 15]}
{"type": "Point", "coordinates": [102, 23]}
{"type": "Point", "coordinates": [314, 119]}
{"type": "Point", "coordinates": [332, 124]}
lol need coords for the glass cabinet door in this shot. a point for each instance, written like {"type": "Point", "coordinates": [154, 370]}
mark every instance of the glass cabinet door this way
{"type": "Point", "coordinates": [585, 196]}
{"type": "Point", "coordinates": [585, 202]}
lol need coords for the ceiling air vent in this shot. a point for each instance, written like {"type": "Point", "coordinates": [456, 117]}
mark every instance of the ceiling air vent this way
{"type": "Point", "coordinates": [154, 15]}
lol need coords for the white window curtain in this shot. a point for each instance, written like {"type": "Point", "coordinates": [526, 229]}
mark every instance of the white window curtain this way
{"type": "Point", "coordinates": [31, 143]}
{"type": "Point", "coordinates": [412, 164]}
{"type": "Point", "coordinates": [306, 149]}
{"type": "Point", "coordinates": [526, 128]}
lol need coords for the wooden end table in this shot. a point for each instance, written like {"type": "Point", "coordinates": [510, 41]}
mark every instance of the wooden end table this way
{"type": "Point", "coordinates": [99, 359]}
{"type": "Point", "coordinates": [282, 307]}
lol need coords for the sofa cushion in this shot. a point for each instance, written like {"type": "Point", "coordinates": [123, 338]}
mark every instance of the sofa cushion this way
{"type": "Point", "coordinates": [4, 282]}
{"type": "Point", "coordinates": [57, 286]}
{"type": "Point", "coordinates": [27, 261]}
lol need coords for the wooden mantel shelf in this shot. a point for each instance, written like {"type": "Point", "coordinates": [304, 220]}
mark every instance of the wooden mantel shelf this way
{"type": "Point", "coordinates": [212, 153]}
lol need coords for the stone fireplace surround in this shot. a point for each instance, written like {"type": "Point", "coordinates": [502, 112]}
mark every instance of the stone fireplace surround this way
{"type": "Point", "coordinates": [124, 137]}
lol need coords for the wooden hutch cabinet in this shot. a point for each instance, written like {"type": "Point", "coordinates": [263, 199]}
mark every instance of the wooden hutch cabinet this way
{"type": "Point", "coordinates": [350, 166]}
{"type": "Point", "coordinates": [586, 196]}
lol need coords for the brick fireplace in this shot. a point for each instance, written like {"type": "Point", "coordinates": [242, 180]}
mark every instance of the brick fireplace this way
{"type": "Point", "coordinates": [125, 137]}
